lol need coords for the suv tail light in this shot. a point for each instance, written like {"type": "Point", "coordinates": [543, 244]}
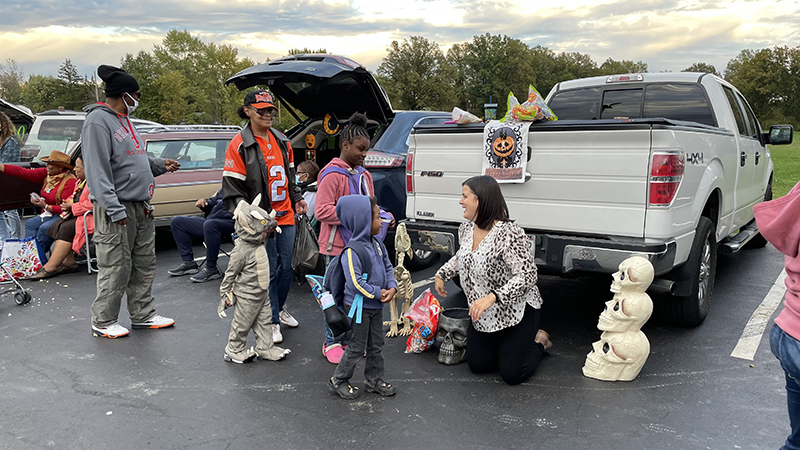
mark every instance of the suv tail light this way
{"type": "Point", "coordinates": [666, 173]}
{"type": "Point", "coordinates": [378, 160]}
{"type": "Point", "coordinates": [410, 173]}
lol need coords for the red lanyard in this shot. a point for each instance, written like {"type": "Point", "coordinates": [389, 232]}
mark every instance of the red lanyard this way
{"type": "Point", "coordinates": [129, 130]}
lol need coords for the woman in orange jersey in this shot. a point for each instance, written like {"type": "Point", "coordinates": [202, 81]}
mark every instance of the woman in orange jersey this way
{"type": "Point", "coordinates": [259, 160]}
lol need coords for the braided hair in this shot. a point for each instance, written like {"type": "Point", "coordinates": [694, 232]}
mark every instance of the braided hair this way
{"type": "Point", "coordinates": [356, 126]}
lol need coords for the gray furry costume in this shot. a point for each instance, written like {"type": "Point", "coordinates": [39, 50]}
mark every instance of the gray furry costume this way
{"type": "Point", "coordinates": [246, 285]}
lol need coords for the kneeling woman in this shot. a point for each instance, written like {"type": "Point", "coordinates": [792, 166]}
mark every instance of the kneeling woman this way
{"type": "Point", "coordinates": [498, 276]}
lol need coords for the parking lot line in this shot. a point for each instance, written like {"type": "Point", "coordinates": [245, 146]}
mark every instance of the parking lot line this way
{"type": "Point", "coordinates": [751, 335]}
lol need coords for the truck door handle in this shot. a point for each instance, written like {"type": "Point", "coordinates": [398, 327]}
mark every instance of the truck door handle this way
{"type": "Point", "coordinates": [743, 160]}
{"type": "Point", "coordinates": [758, 157]}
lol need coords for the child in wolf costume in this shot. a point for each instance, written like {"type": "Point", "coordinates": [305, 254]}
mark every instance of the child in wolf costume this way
{"type": "Point", "coordinates": [246, 285]}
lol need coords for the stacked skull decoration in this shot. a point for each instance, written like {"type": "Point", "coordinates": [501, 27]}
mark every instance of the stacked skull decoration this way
{"type": "Point", "coordinates": [623, 349]}
{"type": "Point", "coordinates": [452, 335]}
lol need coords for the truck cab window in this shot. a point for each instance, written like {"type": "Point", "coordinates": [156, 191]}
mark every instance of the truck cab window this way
{"type": "Point", "coordinates": [577, 104]}
{"type": "Point", "coordinates": [622, 104]}
{"type": "Point", "coordinates": [753, 128]}
{"type": "Point", "coordinates": [737, 113]}
{"type": "Point", "coordinates": [679, 102]}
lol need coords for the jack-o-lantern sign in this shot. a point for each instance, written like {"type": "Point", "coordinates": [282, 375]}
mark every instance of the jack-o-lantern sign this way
{"type": "Point", "coordinates": [503, 145]}
{"type": "Point", "coordinates": [310, 140]}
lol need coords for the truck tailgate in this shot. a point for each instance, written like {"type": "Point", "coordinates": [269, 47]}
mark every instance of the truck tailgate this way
{"type": "Point", "coordinates": [585, 181]}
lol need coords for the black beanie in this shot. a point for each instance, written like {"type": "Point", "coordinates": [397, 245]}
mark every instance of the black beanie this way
{"type": "Point", "coordinates": [117, 81]}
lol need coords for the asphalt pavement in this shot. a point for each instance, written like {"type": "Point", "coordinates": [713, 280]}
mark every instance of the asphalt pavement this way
{"type": "Point", "coordinates": [170, 388]}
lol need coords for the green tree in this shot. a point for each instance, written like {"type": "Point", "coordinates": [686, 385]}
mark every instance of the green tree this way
{"type": "Point", "coordinates": [11, 81]}
{"type": "Point", "coordinates": [412, 75]}
{"type": "Point", "coordinates": [702, 67]}
{"type": "Point", "coordinates": [612, 67]}
{"type": "Point", "coordinates": [41, 93]}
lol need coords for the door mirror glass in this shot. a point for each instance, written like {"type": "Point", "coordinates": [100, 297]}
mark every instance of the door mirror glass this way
{"type": "Point", "coordinates": [781, 134]}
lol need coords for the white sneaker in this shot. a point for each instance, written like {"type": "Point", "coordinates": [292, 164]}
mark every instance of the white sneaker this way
{"type": "Point", "coordinates": [277, 337]}
{"type": "Point", "coordinates": [287, 319]}
{"type": "Point", "coordinates": [154, 322]}
{"type": "Point", "coordinates": [112, 331]}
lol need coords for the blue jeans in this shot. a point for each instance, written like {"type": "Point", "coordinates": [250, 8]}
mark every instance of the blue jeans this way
{"type": "Point", "coordinates": [280, 248]}
{"type": "Point", "coordinates": [13, 228]}
{"type": "Point", "coordinates": [185, 228]}
{"type": "Point", "coordinates": [37, 227]}
{"type": "Point", "coordinates": [787, 350]}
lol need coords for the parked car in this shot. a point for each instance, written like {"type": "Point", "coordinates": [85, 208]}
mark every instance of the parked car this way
{"type": "Point", "coordinates": [663, 165]}
{"type": "Point", "coordinates": [199, 148]}
{"type": "Point", "coordinates": [21, 116]}
{"type": "Point", "coordinates": [61, 130]}
{"type": "Point", "coordinates": [321, 92]}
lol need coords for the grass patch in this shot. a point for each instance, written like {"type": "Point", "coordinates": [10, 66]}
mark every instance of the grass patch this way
{"type": "Point", "coordinates": [787, 167]}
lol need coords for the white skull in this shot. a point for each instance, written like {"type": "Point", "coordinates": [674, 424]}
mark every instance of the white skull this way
{"type": "Point", "coordinates": [452, 335]}
{"type": "Point", "coordinates": [635, 275]}
{"type": "Point", "coordinates": [617, 356]}
{"type": "Point", "coordinates": [626, 312]}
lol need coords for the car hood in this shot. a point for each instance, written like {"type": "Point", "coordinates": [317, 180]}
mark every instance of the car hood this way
{"type": "Point", "coordinates": [318, 84]}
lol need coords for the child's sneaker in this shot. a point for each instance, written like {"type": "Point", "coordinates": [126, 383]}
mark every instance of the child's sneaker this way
{"type": "Point", "coordinates": [381, 387]}
{"type": "Point", "coordinates": [156, 321]}
{"type": "Point", "coordinates": [287, 319]}
{"type": "Point", "coordinates": [112, 331]}
{"type": "Point", "coordinates": [334, 353]}
{"type": "Point", "coordinates": [277, 337]}
{"type": "Point", "coordinates": [344, 390]}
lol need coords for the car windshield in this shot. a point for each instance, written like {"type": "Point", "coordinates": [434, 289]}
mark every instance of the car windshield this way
{"type": "Point", "coordinates": [54, 134]}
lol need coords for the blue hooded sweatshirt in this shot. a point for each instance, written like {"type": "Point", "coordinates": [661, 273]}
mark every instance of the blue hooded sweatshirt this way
{"type": "Point", "coordinates": [355, 213]}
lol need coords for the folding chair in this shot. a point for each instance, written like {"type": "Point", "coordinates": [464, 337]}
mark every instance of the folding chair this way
{"type": "Point", "coordinates": [89, 259]}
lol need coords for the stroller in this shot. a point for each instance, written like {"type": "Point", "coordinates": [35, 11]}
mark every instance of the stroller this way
{"type": "Point", "coordinates": [21, 296]}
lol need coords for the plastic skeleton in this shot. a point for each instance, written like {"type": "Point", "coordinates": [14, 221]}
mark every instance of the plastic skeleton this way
{"type": "Point", "coordinates": [405, 288]}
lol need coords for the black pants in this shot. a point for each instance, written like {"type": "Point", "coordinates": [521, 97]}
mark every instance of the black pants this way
{"type": "Point", "coordinates": [512, 350]}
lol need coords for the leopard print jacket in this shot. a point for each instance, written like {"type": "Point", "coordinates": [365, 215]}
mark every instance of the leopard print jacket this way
{"type": "Point", "coordinates": [503, 264]}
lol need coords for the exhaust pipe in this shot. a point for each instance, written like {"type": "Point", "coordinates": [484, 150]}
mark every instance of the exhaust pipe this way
{"type": "Point", "coordinates": [662, 286]}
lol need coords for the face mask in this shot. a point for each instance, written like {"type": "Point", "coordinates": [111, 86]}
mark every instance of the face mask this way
{"type": "Point", "coordinates": [297, 178]}
{"type": "Point", "coordinates": [131, 109]}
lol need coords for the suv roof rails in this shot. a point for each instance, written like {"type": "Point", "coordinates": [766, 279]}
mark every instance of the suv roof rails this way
{"type": "Point", "coordinates": [158, 128]}
{"type": "Point", "coordinates": [66, 112]}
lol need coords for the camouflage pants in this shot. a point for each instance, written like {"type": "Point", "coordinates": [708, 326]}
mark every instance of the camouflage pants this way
{"type": "Point", "coordinates": [126, 257]}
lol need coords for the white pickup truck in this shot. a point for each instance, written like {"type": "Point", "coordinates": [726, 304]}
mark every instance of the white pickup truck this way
{"type": "Point", "coordinates": [663, 165]}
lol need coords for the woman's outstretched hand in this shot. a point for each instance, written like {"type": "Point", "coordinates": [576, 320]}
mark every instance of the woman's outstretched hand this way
{"type": "Point", "coordinates": [438, 284]}
{"type": "Point", "coordinates": [480, 305]}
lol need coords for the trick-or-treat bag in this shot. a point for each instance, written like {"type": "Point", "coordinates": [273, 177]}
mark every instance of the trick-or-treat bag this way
{"type": "Point", "coordinates": [534, 109]}
{"type": "Point", "coordinates": [20, 258]}
{"type": "Point", "coordinates": [425, 314]}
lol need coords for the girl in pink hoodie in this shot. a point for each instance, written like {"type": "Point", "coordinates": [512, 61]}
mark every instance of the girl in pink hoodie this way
{"type": "Point", "coordinates": [779, 223]}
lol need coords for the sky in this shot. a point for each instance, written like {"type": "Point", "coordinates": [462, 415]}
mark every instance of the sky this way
{"type": "Point", "coordinates": [667, 35]}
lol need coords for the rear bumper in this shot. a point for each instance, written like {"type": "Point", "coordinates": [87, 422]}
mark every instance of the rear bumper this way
{"type": "Point", "coordinates": [556, 254]}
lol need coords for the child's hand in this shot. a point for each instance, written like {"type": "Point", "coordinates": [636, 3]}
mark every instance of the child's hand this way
{"type": "Point", "coordinates": [225, 302]}
{"type": "Point", "coordinates": [387, 294]}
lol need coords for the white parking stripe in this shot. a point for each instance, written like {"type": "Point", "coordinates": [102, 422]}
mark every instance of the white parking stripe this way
{"type": "Point", "coordinates": [751, 336]}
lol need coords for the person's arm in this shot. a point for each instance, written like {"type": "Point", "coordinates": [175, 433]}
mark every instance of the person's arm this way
{"type": "Point", "coordinates": [83, 205]}
{"type": "Point", "coordinates": [32, 175]}
{"type": "Point", "coordinates": [235, 265]}
{"type": "Point", "coordinates": [234, 178]}
{"type": "Point", "coordinates": [157, 165]}
{"type": "Point", "coordinates": [331, 188]}
{"type": "Point", "coordinates": [517, 256]}
{"type": "Point", "coordinates": [387, 264]}
{"type": "Point", "coordinates": [352, 275]}
{"type": "Point", "coordinates": [96, 148]}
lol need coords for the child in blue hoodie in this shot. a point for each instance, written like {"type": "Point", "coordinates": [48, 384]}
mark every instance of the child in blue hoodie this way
{"type": "Point", "coordinates": [361, 215]}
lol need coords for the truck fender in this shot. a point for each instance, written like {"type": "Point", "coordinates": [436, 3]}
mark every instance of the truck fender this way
{"type": "Point", "coordinates": [711, 181]}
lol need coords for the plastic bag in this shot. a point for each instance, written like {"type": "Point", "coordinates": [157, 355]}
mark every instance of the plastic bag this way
{"type": "Point", "coordinates": [20, 258]}
{"type": "Point", "coordinates": [534, 109]}
{"type": "Point", "coordinates": [460, 116]}
{"type": "Point", "coordinates": [306, 249]}
{"type": "Point", "coordinates": [425, 314]}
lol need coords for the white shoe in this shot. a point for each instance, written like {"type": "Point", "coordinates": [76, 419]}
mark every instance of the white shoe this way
{"type": "Point", "coordinates": [287, 319]}
{"type": "Point", "coordinates": [154, 322]}
{"type": "Point", "coordinates": [112, 331]}
{"type": "Point", "coordinates": [277, 337]}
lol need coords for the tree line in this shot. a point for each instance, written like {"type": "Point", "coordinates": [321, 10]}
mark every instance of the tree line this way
{"type": "Point", "coordinates": [182, 79]}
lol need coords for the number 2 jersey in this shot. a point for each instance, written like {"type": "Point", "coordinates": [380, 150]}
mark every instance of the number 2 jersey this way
{"type": "Point", "coordinates": [239, 184]}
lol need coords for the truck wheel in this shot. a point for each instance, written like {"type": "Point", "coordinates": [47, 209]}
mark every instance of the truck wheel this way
{"type": "Point", "coordinates": [700, 270]}
{"type": "Point", "coordinates": [422, 260]}
{"type": "Point", "coordinates": [758, 241]}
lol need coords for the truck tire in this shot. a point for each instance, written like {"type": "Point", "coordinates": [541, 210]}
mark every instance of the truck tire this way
{"type": "Point", "coordinates": [422, 260]}
{"type": "Point", "coordinates": [699, 270]}
{"type": "Point", "coordinates": [758, 240]}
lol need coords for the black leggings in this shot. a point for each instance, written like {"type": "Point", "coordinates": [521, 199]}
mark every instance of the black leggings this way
{"type": "Point", "coordinates": [511, 350]}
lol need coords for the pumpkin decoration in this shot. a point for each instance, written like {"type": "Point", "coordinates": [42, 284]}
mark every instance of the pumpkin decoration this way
{"type": "Point", "coordinates": [310, 140]}
{"type": "Point", "coordinates": [503, 147]}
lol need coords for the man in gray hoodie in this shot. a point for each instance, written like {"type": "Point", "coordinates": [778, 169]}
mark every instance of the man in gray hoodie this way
{"type": "Point", "coordinates": [121, 180]}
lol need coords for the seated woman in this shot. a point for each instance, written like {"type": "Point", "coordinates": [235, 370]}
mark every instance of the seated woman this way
{"type": "Point", "coordinates": [68, 231]}
{"type": "Point", "coordinates": [57, 184]}
{"type": "Point", "coordinates": [498, 276]}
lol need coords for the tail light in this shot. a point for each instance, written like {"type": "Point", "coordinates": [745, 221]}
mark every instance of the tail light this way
{"type": "Point", "coordinates": [666, 173]}
{"type": "Point", "coordinates": [378, 160]}
{"type": "Point", "coordinates": [410, 174]}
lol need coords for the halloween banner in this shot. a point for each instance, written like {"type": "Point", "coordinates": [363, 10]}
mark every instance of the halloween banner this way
{"type": "Point", "coordinates": [505, 150]}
